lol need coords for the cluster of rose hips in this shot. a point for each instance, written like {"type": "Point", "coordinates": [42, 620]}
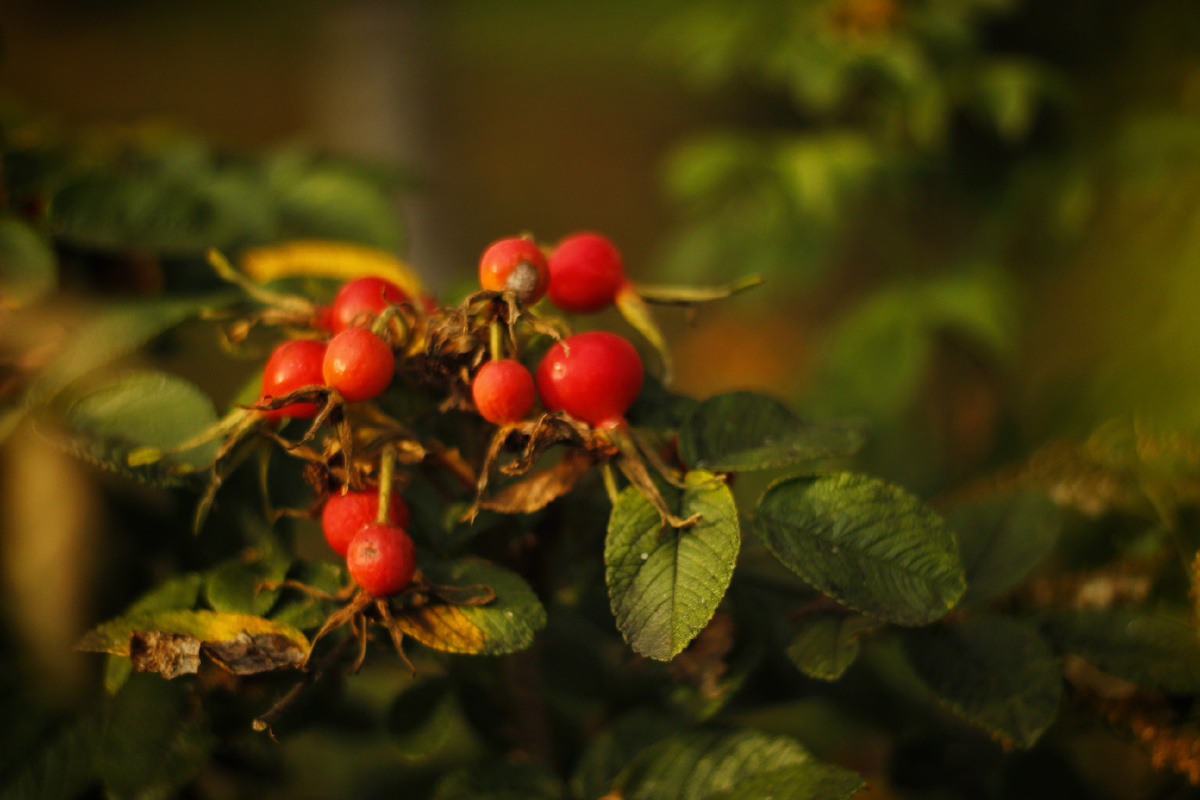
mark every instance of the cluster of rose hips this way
{"type": "Point", "coordinates": [593, 377]}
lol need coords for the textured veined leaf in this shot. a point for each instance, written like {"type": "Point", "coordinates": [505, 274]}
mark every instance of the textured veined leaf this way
{"type": "Point", "coordinates": [708, 764]}
{"type": "Point", "coordinates": [665, 584]}
{"type": "Point", "coordinates": [866, 543]}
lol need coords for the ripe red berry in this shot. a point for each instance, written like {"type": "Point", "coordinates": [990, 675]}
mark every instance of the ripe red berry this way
{"type": "Point", "coordinates": [344, 514]}
{"type": "Point", "coordinates": [586, 272]}
{"type": "Point", "coordinates": [291, 365]}
{"type": "Point", "coordinates": [359, 301]}
{"type": "Point", "coordinates": [503, 391]}
{"type": "Point", "coordinates": [382, 559]}
{"type": "Point", "coordinates": [593, 376]}
{"type": "Point", "coordinates": [358, 364]}
{"type": "Point", "coordinates": [515, 265]}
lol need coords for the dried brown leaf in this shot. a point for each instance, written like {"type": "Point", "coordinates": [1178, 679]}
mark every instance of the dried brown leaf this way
{"type": "Point", "coordinates": [249, 655]}
{"type": "Point", "coordinates": [172, 654]}
{"type": "Point", "coordinates": [539, 490]}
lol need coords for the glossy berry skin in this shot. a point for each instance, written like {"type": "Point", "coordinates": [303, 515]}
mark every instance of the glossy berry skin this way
{"type": "Point", "coordinates": [503, 391]}
{"type": "Point", "coordinates": [515, 265]}
{"type": "Point", "coordinates": [345, 514]}
{"type": "Point", "coordinates": [586, 271]}
{"type": "Point", "coordinates": [358, 364]}
{"type": "Point", "coordinates": [291, 365]}
{"type": "Point", "coordinates": [592, 376]}
{"type": "Point", "coordinates": [361, 300]}
{"type": "Point", "coordinates": [382, 559]}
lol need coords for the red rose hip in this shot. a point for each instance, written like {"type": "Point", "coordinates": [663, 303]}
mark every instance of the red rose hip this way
{"type": "Point", "coordinates": [515, 265]}
{"type": "Point", "coordinates": [586, 272]}
{"type": "Point", "coordinates": [592, 376]}
{"type": "Point", "coordinates": [503, 391]}
{"type": "Point", "coordinates": [291, 365]}
{"type": "Point", "coordinates": [345, 514]}
{"type": "Point", "coordinates": [382, 559]}
{"type": "Point", "coordinates": [361, 300]}
{"type": "Point", "coordinates": [358, 364]}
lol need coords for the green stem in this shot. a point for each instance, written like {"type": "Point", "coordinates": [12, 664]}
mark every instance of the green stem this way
{"type": "Point", "coordinates": [387, 471]}
{"type": "Point", "coordinates": [496, 335]}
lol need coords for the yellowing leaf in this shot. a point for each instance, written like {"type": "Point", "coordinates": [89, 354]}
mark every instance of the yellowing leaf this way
{"type": "Point", "coordinates": [329, 259]}
{"type": "Point", "coordinates": [444, 628]}
{"type": "Point", "coordinates": [207, 626]}
{"type": "Point", "coordinates": [502, 618]}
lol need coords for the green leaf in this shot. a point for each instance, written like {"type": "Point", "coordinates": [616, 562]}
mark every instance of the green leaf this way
{"type": "Point", "coordinates": [233, 588]}
{"type": "Point", "coordinates": [722, 763]}
{"type": "Point", "coordinates": [657, 407]}
{"type": "Point", "coordinates": [609, 751]}
{"type": "Point", "coordinates": [501, 781]}
{"type": "Point", "coordinates": [115, 331]}
{"type": "Point", "coordinates": [746, 431]}
{"type": "Point", "coordinates": [1002, 538]}
{"type": "Point", "coordinates": [827, 643]}
{"type": "Point", "coordinates": [866, 543]}
{"type": "Point", "coordinates": [506, 624]}
{"type": "Point", "coordinates": [994, 672]}
{"type": "Point", "coordinates": [152, 745]}
{"type": "Point", "coordinates": [1154, 650]}
{"type": "Point", "coordinates": [207, 626]}
{"type": "Point", "coordinates": [665, 584]}
{"type": "Point", "coordinates": [155, 410]}
{"type": "Point", "coordinates": [63, 769]}
{"type": "Point", "coordinates": [28, 268]}
{"type": "Point", "coordinates": [421, 718]}
{"type": "Point", "coordinates": [811, 781]}
{"type": "Point", "coordinates": [325, 202]}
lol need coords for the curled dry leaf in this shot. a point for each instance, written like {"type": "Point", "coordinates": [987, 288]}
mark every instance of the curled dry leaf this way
{"type": "Point", "coordinates": [172, 654]}
{"type": "Point", "coordinates": [539, 490]}
{"type": "Point", "coordinates": [175, 654]}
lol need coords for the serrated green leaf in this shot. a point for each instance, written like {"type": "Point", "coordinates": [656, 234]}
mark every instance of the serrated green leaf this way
{"type": "Point", "coordinates": [62, 770]}
{"type": "Point", "coordinates": [994, 672]}
{"type": "Point", "coordinates": [151, 745]}
{"type": "Point", "coordinates": [115, 331]}
{"type": "Point", "coordinates": [506, 624]}
{"type": "Point", "coordinates": [233, 588]}
{"type": "Point", "coordinates": [812, 781]}
{"type": "Point", "coordinates": [1002, 538]}
{"type": "Point", "coordinates": [717, 763]}
{"type": "Point", "coordinates": [1155, 650]}
{"type": "Point", "coordinates": [28, 268]}
{"type": "Point", "coordinates": [612, 749]}
{"type": "Point", "coordinates": [207, 626]}
{"type": "Point", "coordinates": [501, 781]}
{"type": "Point", "coordinates": [747, 431]}
{"type": "Point", "coordinates": [866, 543]}
{"type": "Point", "coordinates": [827, 643]}
{"type": "Point", "coordinates": [665, 584]}
{"type": "Point", "coordinates": [106, 423]}
{"type": "Point", "coordinates": [421, 717]}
